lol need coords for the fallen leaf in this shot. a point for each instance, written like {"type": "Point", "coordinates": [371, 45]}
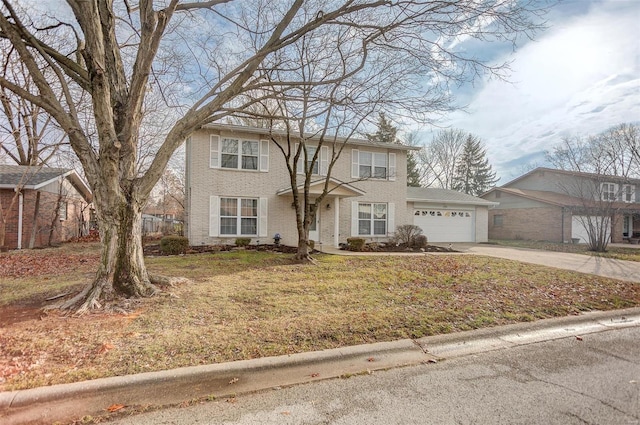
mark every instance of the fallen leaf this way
{"type": "Point", "coordinates": [233, 381]}
{"type": "Point", "coordinates": [315, 375]}
{"type": "Point", "coordinates": [115, 407]}
{"type": "Point", "coordinates": [286, 412]}
{"type": "Point", "coordinates": [432, 361]}
{"type": "Point", "coordinates": [579, 338]}
{"type": "Point", "coordinates": [371, 359]}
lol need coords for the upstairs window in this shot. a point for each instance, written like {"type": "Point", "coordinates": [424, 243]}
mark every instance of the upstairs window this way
{"type": "Point", "coordinates": [628, 193]}
{"type": "Point", "coordinates": [237, 154]}
{"type": "Point", "coordinates": [374, 165]}
{"type": "Point", "coordinates": [608, 191]}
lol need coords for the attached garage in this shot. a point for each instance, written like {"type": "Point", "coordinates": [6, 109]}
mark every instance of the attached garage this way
{"type": "Point", "coordinates": [446, 225]}
{"type": "Point", "coordinates": [449, 216]}
{"type": "Point", "coordinates": [581, 223]}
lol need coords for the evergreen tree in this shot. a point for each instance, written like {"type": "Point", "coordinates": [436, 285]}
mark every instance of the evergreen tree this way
{"type": "Point", "coordinates": [413, 175]}
{"type": "Point", "coordinates": [473, 174]}
{"type": "Point", "coordinates": [386, 132]}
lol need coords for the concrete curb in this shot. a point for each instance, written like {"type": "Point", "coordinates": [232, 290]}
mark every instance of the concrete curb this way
{"type": "Point", "coordinates": [66, 402]}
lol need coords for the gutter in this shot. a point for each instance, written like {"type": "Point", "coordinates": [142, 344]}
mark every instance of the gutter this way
{"type": "Point", "coordinates": [20, 213]}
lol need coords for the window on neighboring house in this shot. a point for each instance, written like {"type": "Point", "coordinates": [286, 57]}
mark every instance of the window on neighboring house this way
{"type": "Point", "coordinates": [238, 216]}
{"type": "Point", "coordinates": [377, 165]}
{"type": "Point", "coordinates": [498, 220]}
{"type": "Point", "coordinates": [372, 219]}
{"type": "Point", "coordinates": [628, 193]}
{"type": "Point", "coordinates": [315, 168]}
{"type": "Point", "coordinates": [608, 191]}
{"type": "Point", "coordinates": [62, 210]}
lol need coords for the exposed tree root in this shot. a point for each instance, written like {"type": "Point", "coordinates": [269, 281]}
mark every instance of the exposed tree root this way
{"type": "Point", "coordinates": [161, 280]}
{"type": "Point", "coordinates": [306, 259]}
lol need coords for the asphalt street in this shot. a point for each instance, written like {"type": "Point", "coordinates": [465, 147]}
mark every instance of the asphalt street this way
{"type": "Point", "coordinates": [590, 379]}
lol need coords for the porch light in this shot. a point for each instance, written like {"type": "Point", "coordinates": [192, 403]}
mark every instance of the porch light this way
{"type": "Point", "coordinates": [328, 207]}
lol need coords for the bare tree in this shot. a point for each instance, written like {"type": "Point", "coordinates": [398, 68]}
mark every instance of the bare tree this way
{"type": "Point", "coordinates": [604, 164]}
{"type": "Point", "coordinates": [439, 157]}
{"type": "Point", "coordinates": [122, 52]}
{"type": "Point", "coordinates": [28, 135]}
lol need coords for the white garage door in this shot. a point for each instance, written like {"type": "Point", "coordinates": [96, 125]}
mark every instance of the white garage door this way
{"type": "Point", "coordinates": [580, 223]}
{"type": "Point", "coordinates": [446, 225]}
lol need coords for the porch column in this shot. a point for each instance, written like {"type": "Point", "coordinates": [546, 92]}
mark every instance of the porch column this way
{"type": "Point", "coordinates": [336, 222]}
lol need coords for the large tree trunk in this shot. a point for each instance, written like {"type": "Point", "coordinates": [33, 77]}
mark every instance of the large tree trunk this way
{"type": "Point", "coordinates": [122, 272]}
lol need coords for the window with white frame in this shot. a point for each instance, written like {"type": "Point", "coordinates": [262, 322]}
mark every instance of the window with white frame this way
{"type": "Point", "coordinates": [238, 216]}
{"type": "Point", "coordinates": [372, 164]}
{"type": "Point", "coordinates": [242, 154]}
{"type": "Point", "coordinates": [238, 154]}
{"type": "Point", "coordinates": [628, 193]}
{"type": "Point", "coordinates": [372, 219]}
{"type": "Point", "coordinates": [608, 191]}
{"type": "Point", "coordinates": [321, 164]}
{"type": "Point", "coordinates": [62, 210]}
{"type": "Point", "coordinates": [376, 165]}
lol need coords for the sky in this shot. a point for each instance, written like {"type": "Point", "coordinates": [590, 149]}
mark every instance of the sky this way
{"type": "Point", "coordinates": [579, 77]}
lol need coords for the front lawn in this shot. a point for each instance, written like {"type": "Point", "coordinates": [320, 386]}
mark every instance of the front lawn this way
{"type": "Point", "coordinates": [248, 304]}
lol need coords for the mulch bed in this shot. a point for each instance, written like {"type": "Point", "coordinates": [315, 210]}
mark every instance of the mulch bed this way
{"type": "Point", "coordinates": [154, 249]}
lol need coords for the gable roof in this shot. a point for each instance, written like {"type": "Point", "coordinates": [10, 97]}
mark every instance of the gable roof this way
{"type": "Point", "coordinates": [559, 199]}
{"type": "Point", "coordinates": [312, 137]}
{"type": "Point", "coordinates": [36, 177]}
{"type": "Point", "coordinates": [607, 177]}
{"type": "Point", "coordinates": [433, 194]}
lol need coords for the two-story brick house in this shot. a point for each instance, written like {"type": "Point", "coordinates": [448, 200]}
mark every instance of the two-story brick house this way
{"type": "Point", "coordinates": [238, 185]}
{"type": "Point", "coordinates": [551, 205]}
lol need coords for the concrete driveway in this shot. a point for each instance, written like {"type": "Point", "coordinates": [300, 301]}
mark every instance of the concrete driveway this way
{"type": "Point", "coordinates": [606, 267]}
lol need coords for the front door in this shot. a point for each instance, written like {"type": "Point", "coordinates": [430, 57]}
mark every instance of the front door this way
{"type": "Point", "coordinates": [314, 232]}
{"type": "Point", "coordinates": [627, 226]}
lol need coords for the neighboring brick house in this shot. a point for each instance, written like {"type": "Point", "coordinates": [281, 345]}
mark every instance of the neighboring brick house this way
{"type": "Point", "coordinates": [42, 205]}
{"type": "Point", "coordinates": [237, 184]}
{"type": "Point", "coordinates": [553, 205]}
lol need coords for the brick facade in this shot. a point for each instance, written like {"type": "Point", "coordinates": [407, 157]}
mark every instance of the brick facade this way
{"type": "Point", "coordinates": [63, 228]}
{"type": "Point", "coordinates": [540, 224]}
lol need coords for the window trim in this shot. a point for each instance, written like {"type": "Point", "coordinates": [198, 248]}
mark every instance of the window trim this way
{"type": "Point", "coordinates": [215, 222]}
{"type": "Point", "coordinates": [372, 220]}
{"type": "Point", "coordinates": [239, 217]}
{"type": "Point", "coordinates": [610, 194]}
{"type": "Point", "coordinates": [389, 167]}
{"type": "Point", "coordinates": [261, 159]}
{"type": "Point", "coordinates": [631, 193]}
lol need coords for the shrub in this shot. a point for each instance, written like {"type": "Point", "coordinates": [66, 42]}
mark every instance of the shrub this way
{"type": "Point", "coordinates": [419, 241]}
{"type": "Point", "coordinates": [174, 245]}
{"type": "Point", "coordinates": [406, 234]}
{"type": "Point", "coordinates": [243, 241]}
{"type": "Point", "coordinates": [355, 244]}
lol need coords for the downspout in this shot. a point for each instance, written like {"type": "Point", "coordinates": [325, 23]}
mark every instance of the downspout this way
{"type": "Point", "coordinates": [562, 226]}
{"type": "Point", "coordinates": [20, 211]}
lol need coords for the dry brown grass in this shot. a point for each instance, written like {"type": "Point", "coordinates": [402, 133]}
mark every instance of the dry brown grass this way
{"type": "Point", "coordinates": [250, 304]}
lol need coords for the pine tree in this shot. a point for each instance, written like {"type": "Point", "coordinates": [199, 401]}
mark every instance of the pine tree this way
{"type": "Point", "coordinates": [413, 175]}
{"type": "Point", "coordinates": [473, 174]}
{"type": "Point", "coordinates": [386, 132]}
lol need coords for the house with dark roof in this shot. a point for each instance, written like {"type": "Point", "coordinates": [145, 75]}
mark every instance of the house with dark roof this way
{"type": "Point", "coordinates": [41, 206]}
{"type": "Point", "coordinates": [557, 205]}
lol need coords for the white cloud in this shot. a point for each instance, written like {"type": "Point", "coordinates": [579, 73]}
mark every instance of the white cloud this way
{"type": "Point", "coordinates": [581, 77]}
